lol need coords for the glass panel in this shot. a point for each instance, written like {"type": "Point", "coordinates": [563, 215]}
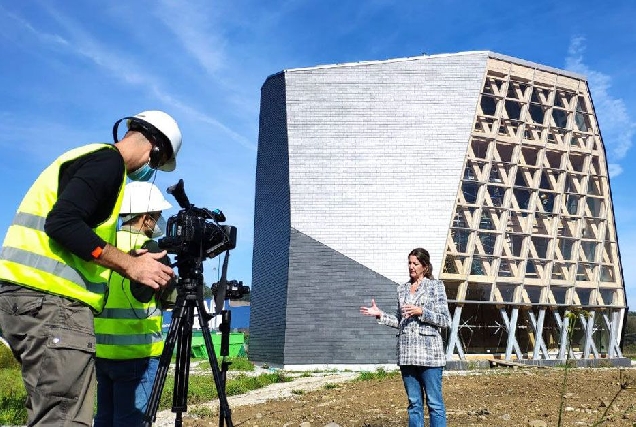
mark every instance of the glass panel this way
{"type": "Point", "coordinates": [554, 158]}
{"type": "Point", "coordinates": [607, 273]}
{"type": "Point", "coordinates": [481, 266]}
{"type": "Point", "coordinates": [535, 269]}
{"type": "Point", "coordinates": [509, 267]}
{"type": "Point", "coordinates": [517, 222]}
{"type": "Point", "coordinates": [486, 222]}
{"type": "Point", "coordinates": [537, 113]}
{"type": "Point", "coordinates": [582, 122]}
{"type": "Point", "coordinates": [560, 118]}
{"type": "Point", "coordinates": [534, 293]}
{"type": "Point", "coordinates": [496, 194]}
{"type": "Point", "coordinates": [559, 294]}
{"type": "Point", "coordinates": [584, 295]}
{"type": "Point", "coordinates": [546, 201]}
{"type": "Point", "coordinates": [513, 109]}
{"type": "Point", "coordinates": [568, 227]}
{"type": "Point", "coordinates": [577, 162]}
{"type": "Point", "coordinates": [533, 133]}
{"type": "Point", "coordinates": [607, 295]}
{"type": "Point", "coordinates": [517, 90]}
{"type": "Point", "coordinates": [573, 183]}
{"type": "Point", "coordinates": [488, 241]}
{"type": "Point", "coordinates": [609, 249]}
{"type": "Point", "coordinates": [480, 148]}
{"type": "Point", "coordinates": [488, 105]}
{"type": "Point", "coordinates": [505, 152]}
{"type": "Point", "coordinates": [515, 243]}
{"type": "Point", "coordinates": [470, 190]}
{"type": "Point", "coordinates": [454, 264]}
{"type": "Point", "coordinates": [541, 246]}
{"type": "Point", "coordinates": [540, 95]}
{"type": "Point", "coordinates": [493, 85]}
{"type": "Point", "coordinates": [478, 292]}
{"type": "Point", "coordinates": [584, 272]}
{"type": "Point", "coordinates": [565, 248]}
{"type": "Point", "coordinates": [595, 206]}
{"type": "Point", "coordinates": [581, 105]}
{"type": "Point", "coordinates": [452, 288]}
{"type": "Point", "coordinates": [507, 292]}
{"type": "Point", "coordinates": [522, 197]}
{"type": "Point", "coordinates": [460, 239]}
{"type": "Point", "coordinates": [530, 155]}
{"type": "Point", "coordinates": [562, 270]}
{"type": "Point", "coordinates": [595, 185]}
{"type": "Point", "coordinates": [572, 204]}
{"type": "Point", "coordinates": [462, 218]}
{"type": "Point", "coordinates": [589, 250]}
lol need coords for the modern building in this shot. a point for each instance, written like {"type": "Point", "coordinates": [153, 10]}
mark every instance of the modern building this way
{"type": "Point", "coordinates": [494, 164]}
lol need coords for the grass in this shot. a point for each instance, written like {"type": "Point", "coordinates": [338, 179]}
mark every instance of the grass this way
{"type": "Point", "coordinates": [379, 374]}
{"type": "Point", "coordinates": [201, 388]}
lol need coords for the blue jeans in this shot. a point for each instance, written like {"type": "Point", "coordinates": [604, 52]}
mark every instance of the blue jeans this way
{"type": "Point", "coordinates": [123, 390]}
{"type": "Point", "coordinates": [429, 380]}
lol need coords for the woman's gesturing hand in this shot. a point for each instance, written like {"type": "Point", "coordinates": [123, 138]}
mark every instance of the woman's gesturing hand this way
{"type": "Point", "coordinates": [371, 311]}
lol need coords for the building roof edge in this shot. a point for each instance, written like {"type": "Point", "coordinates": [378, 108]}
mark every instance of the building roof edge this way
{"type": "Point", "coordinates": [487, 53]}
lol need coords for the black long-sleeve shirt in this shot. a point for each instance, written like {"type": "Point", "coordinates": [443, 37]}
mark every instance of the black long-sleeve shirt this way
{"type": "Point", "coordinates": [87, 192]}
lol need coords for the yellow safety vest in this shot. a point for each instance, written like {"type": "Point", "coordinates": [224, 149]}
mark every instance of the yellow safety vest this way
{"type": "Point", "coordinates": [30, 258]}
{"type": "Point", "coordinates": [128, 328]}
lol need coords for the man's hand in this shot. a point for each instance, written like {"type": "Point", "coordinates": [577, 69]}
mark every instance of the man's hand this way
{"type": "Point", "coordinates": [143, 268]}
{"type": "Point", "coordinates": [146, 269]}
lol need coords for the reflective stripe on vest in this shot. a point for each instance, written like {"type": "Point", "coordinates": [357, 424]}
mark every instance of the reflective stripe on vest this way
{"type": "Point", "coordinates": [128, 328]}
{"type": "Point", "coordinates": [30, 258]}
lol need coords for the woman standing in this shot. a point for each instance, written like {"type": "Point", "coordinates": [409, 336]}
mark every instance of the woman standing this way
{"type": "Point", "coordinates": [422, 311]}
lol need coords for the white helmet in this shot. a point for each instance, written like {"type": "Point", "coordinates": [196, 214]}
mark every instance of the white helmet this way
{"type": "Point", "coordinates": [141, 197]}
{"type": "Point", "coordinates": [162, 122]}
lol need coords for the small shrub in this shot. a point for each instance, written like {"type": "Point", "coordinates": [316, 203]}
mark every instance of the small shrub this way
{"type": "Point", "coordinates": [330, 386]}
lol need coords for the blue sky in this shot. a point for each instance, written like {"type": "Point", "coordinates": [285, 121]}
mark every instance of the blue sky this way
{"type": "Point", "coordinates": [71, 68]}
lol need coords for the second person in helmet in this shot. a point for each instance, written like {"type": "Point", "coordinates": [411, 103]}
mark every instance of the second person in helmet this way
{"type": "Point", "coordinates": [129, 330]}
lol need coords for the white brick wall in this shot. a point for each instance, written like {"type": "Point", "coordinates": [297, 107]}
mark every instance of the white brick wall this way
{"type": "Point", "coordinates": [375, 154]}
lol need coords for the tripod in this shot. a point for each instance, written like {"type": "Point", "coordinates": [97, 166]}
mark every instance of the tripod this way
{"type": "Point", "coordinates": [189, 297]}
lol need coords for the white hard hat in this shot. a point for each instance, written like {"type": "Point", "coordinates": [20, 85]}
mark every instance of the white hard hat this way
{"type": "Point", "coordinates": [163, 123]}
{"type": "Point", "coordinates": [141, 197]}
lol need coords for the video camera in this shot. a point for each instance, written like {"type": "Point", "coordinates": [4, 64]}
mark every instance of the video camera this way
{"type": "Point", "coordinates": [195, 232]}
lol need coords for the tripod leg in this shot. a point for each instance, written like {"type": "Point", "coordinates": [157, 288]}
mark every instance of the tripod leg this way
{"type": "Point", "coordinates": [182, 364]}
{"type": "Point", "coordinates": [164, 362]}
{"type": "Point", "coordinates": [224, 407]}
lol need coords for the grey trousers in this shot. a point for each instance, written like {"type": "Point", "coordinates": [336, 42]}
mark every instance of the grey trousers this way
{"type": "Point", "coordinates": [53, 338]}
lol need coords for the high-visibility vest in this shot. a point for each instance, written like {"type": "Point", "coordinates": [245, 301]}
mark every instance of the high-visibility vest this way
{"type": "Point", "coordinates": [30, 258]}
{"type": "Point", "coordinates": [128, 328]}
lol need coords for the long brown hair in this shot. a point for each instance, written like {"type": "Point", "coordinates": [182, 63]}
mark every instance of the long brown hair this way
{"type": "Point", "coordinates": [425, 259]}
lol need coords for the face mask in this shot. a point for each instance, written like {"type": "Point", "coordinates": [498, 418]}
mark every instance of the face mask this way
{"type": "Point", "coordinates": [144, 173]}
{"type": "Point", "coordinates": [157, 230]}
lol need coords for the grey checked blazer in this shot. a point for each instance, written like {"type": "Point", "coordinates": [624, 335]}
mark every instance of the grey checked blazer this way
{"type": "Point", "coordinates": [419, 340]}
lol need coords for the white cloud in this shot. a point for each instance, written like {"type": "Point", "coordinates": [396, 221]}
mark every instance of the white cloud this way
{"type": "Point", "coordinates": [617, 127]}
{"type": "Point", "coordinates": [122, 66]}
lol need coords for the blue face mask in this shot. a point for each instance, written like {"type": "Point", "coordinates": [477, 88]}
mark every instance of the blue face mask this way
{"type": "Point", "coordinates": [144, 173]}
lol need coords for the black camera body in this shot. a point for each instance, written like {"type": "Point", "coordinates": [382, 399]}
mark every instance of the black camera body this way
{"type": "Point", "coordinates": [234, 289]}
{"type": "Point", "coordinates": [196, 232]}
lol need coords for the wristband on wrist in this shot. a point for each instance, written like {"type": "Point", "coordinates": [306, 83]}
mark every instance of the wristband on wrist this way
{"type": "Point", "coordinates": [97, 252]}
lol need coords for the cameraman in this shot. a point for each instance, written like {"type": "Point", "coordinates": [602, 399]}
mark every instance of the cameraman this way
{"type": "Point", "coordinates": [128, 331]}
{"type": "Point", "coordinates": [57, 257]}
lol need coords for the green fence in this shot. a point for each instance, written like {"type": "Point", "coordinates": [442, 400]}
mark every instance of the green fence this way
{"type": "Point", "coordinates": [236, 347]}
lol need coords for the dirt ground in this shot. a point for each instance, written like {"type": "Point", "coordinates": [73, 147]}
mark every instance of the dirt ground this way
{"type": "Point", "coordinates": [490, 397]}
